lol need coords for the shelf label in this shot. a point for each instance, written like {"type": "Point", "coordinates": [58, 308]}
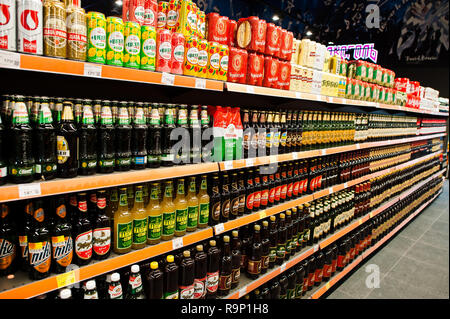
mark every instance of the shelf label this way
{"type": "Point", "coordinates": [283, 267]}
{"type": "Point", "coordinates": [345, 185]}
{"type": "Point", "coordinates": [298, 95]}
{"type": "Point", "coordinates": [273, 159]}
{"type": "Point", "coordinates": [177, 243]}
{"type": "Point", "coordinates": [228, 165]}
{"type": "Point", "coordinates": [262, 214]}
{"type": "Point", "coordinates": [358, 146]}
{"type": "Point", "coordinates": [242, 292]}
{"type": "Point", "coordinates": [316, 247]}
{"type": "Point", "coordinates": [219, 228]}
{"type": "Point", "coordinates": [200, 83]}
{"type": "Point", "coordinates": [167, 78]}
{"type": "Point", "coordinates": [323, 152]}
{"type": "Point", "coordinates": [344, 101]}
{"type": "Point", "coordinates": [27, 190]}
{"type": "Point", "coordinates": [93, 70]}
{"type": "Point", "coordinates": [9, 60]}
{"type": "Point", "coordinates": [295, 155]}
{"type": "Point", "coordinates": [327, 286]}
{"type": "Point", "coordinates": [330, 190]}
{"type": "Point", "coordinates": [250, 89]}
{"type": "Point", "coordinates": [249, 162]}
{"type": "Point", "coordinates": [65, 279]}
{"type": "Point", "coordinates": [360, 222]}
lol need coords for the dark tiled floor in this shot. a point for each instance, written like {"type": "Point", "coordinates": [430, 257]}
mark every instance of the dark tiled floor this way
{"type": "Point", "coordinates": [413, 265]}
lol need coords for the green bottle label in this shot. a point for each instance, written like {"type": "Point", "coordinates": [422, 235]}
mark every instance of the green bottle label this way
{"type": "Point", "coordinates": [171, 295]}
{"type": "Point", "coordinates": [106, 163]}
{"type": "Point", "coordinates": [298, 290]}
{"type": "Point", "coordinates": [139, 116]}
{"type": "Point", "coordinates": [168, 118]}
{"type": "Point", "coordinates": [181, 220]}
{"type": "Point", "coordinates": [45, 115]}
{"type": "Point", "coordinates": [139, 197]}
{"type": "Point", "coordinates": [20, 114]}
{"type": "Point", "coordinates": [154, 193]}
{"type": "Point", "coordinates": [168, 192]}
{"type": "Point", "coordinates": [290, 293]}
{"type": "Point", "coordinates": [192, 216]}
{"type": "Point", "coordinates": [21, 171]}
{"type": "Point", "coordinates": [106, 116]}
{"type": "Point", "coordinates": [154, 227]}
{"type": "Point", "coordinates": [124, 161]}
{"type": "Point", "coordinates": [88, 116]}
{"type": "Point", "coordinates": [139, 231]}
{"type": "Point", "coordinates": [272, 254]}
{"type": "Point", "coordinates": [281, 251]}
{"type": "Point", "coordinates": [168, 223]}
{"type": "Point", "coordinates": [123, 201]}
{"type": "Point", "coordinates": [123, 118]}
{"type": "Point", "coordinates": [124, 234]}
{"type": "Point", "coordinates": [204, 214]}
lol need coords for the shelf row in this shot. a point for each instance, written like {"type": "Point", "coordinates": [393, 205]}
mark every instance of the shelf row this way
{"type": "Point", "coordinates": [84, 183]}
{"type": "Point", "coordinates": [247, 285]}
{"type": "Point", "coordinates": [13, 60]}
{"type": "Point", "coordinates": [21, 287]}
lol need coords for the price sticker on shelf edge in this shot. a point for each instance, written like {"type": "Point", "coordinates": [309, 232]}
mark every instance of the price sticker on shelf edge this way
{"type": "Point", "coordinates": [262, 214]}
{"type": "Point", "coordinates": [200, 83]}
{"type": "Point", "coordinates": [316, 247]}
{"type": "Point", "coordinates": [283, 267]}
{"type": "Point", "coordinates": [324, 152]}
{"type": "Point", "coordinates": [327, 286]}
{"type": "Point", "coordinates": [177, 243]}
{"type": "Point", "coordinates": [93, 70]}
{"type": "Point", "coordinates": [249, 162]}
{"type": "Point", "coordinates": [167, 78]}
{"type": "Point", "coordinates": [219, 228]}
{"type": "Point", "coordinates": [295, 155]}
{"type": "Point", "coordinates": [250, 89]}
{"type": "Point", "coordinates": [242, 292]}
{"type": "Point", "coordinates": [298, 95]}
{"type": "Point", "coordinates": [9, 60]}
{"type": "Point", "coordinates": [27, 190]}
{"type": "Point", "coordinates": [228, 165]}
{"type": "Point", "coordinates": [66, 279]}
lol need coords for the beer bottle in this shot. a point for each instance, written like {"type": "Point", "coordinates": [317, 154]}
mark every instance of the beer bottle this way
{"type": "Point", "coordinates": [277, 133]}
{"type": "Point", "coordinates": [21, 160]}
{"type": "Point", "coordinates": [249, 192]}
{"type": "Point", "coordinates": [215, 202]}
{"type": "Point", "coordinates": [225, 212]}
{"type": "Point", "coordinates": [155, 282]}
{"type": "Point", "coordinates": [282, 237]}
{"type": "Point", "coordinates": [265, 247]}
{"type": "Point", "coordinates": [193, 206]}
{"type": "Point", "coordinates": [225, 268]}
{"type": "Point", "coordinates": [289, 234]}
{"type": "Point", "coordinates": [283, 285]}
{"type": "Point", "coordinates": [82, 232]}
{"type": "Point", "coordinates": [3, 158]}
{"type": "Point", "coordinates": [200, 259]}
{"type": "Point", "coordinates": [135, 289]}
{"type": "Point", "coordinates": [289, 130]}
{"type": "Point", "coordinates": [206, 138]}
{"type": "Point", "coordinates": [139, 138]}
{"type": "Point", "coordinates": [264, 188]}
{"type": "Point", "coordinates": [88, 141]}
{"type": "Point", "coordinates": [241, 185]}
{"type": "Point", "coordinates": [181, 207]}
{"type": "Point", "coordinates": [62, 242]}
{"type": "Point", "coordinates": [154, 138]}
{"type": "Point", "coordinates": [203, 199]}
{"type": "Point", "coordinates": [39, 248]}
{"type": "Point", "coordinates": [272, 190]}
{"type": "Point", "coordinates": [195, 135]}
{"type": "Point", "coordinates": [123, 138]}
{"type": "Point", "coordinates": [254, 138]}
{"type": "Point", "coordinates": [182, 157]}
{"type": "Point", "coordinates": [275, 289]}
{"type": "Point", "coordinates": [97, 109]}
{"type": "Point", "coordinates": [291, 281]}
{"type": "Point", "coordinates": [254, 259]}
{"type": "Point", "coordinates": [91, 290]}
{"type": "Point", "coordinates": [299, 280]}
{"type": "Point", "coordinates": [273, 239]}
{"type": "Point", "coordinates": [212, 274]}
{"type": "Point", "coordinates": [170, 279]}
{"type": "Point", "coordinates": [168, 212]}
{"type": "Point", "coordinates": [112, 207]}
{"type": "Point", "coordinates": [245, 244]}
{"type": "Point", "coordinates": [45, 143]}
{"type": "Point", "coordinates": [140, 219]}
{"type": "Point", "coordinates": [187, 274]}
{"type": "Point", "coordinates": [92, 206]}
{"type": "Point", "coordinates": [115, 287]}
{"type": "Point", "coordinates": [234, 197]}
{"type": "Point", "coordinates": [167, 157]}
{"type": "Point", "coordinates": [101, 229]}
{"type": "Point", "coordinates": [67, 144]}
{"type": "Point", "coordinates": [123, 225]}
{"type": "Point", "coordinates": [106, 141]}
{"type": "Point", "coordinates": [154, 211]}
{"type": "Point", "coordinates": [262, 129]}
{"type": "Point", "coordinates": [8, 242]}
{"type": "Point", "coordinates": [235, 259]}
{"type": "Point", "coordinates": [283, 133]}
{"type": "Point", "coordinates": [269, 133]}
{"type": "Point", "coordinates": [257, 190]}
{"type": "Point", "coordinates": [247, 132]}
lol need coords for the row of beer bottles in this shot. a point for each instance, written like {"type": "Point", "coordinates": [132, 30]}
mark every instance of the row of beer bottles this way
{"type": "Point", "coordinates": [49, 147]}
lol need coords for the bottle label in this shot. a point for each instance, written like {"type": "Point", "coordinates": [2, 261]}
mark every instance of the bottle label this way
{"type": "Point", "coordinates": [124, 161]}
{"type": "Point", "coordinates": [115, 291]}
{"type": "Point", "coordinates": [181, 220]}
{"type": "Point", "coordinates": [204, 214]}
{"type": "Point", "coordinates": [62, 149]}
{"type": "Point", "coordinates": [21, 171]}
{"type": "Point", "coordinates": [277, 193]}
{"type": "Point", "coordinates": [62, 249]}
{"type": "Point", "coordinates": [124, 235]}
{"type": "Point", "coordinates": [212, 281]}
{"type": "Point", "coordinates": [215, 212]}
{"type": "Point", "coordinates": [139, 231]}
{"type": "Point", "coordinates": [135, 283]}
{"type": "Point", "coordinates": [192, 216]}
{"type": "Point", "coordinates": [23, 243]}
{"type": "Point", "coordinates": [254, 267]}
{"type": "Point", "coordinates": [106, 163]}
{"type": "Point", "coordinates": [281, 251]}
{"type": "Point", "coordinates": [235, 275]}
{"type": "Point", "coordinates": [187, 292]}
{"type": "Point", "coordinates": [265, 262]}
{"type": "Point", "coordinates": [242, 203]}
{"type": "Point", "coordinates": [171, 295]}
{"type": "Point", "coordinates": [102, 240]}
{"type": "Point", "coordinates": [272, 195]}
{"type": "Point", "coordinates": [39, 256]}
{"type": "Point", "coordinates": [249, 203]}
{"type": "Point", "coordinates": [264, 197]}
{"type": "Point", "coordinates": [272, 254]}
{"type": "Point", "coordinates": [257, 199]}
{"type": "Point", "coordinates": [199, 288]}
{"type": "Point", "coordinates": [225, 282]}
{"type": "Point", "coordinates": [154, 227]}
{"type": "Point", "coordinates": [83, 245]}
{"type": "Point", "coordinates": [168, 223]}
{"type": "Point", "coordinates": [226, 209]}
{"type": "Point", "coordinates": [7, 253]}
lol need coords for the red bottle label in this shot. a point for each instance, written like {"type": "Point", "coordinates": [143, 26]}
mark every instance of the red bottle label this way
{"type": "Point", "coordinates": [199, 288]}
{"type": "Point", "coordinates": [264, 197]}
{"type": "Point", "coordinates": [212, 281]}
{"type": "Point", "coordinates": [290, 188]}
{"type": "Point", "coordinates": [83, 245]}
{"type": "Point", "coordinates": [256, 199]}
{"type": "Point", "coordinates": [102, 240]}
{"type": "Point", "coordinates": [249, 203]}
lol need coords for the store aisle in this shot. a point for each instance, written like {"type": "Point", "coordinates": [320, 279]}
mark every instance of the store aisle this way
{"type": "Point", "coordinates": [413, 265]}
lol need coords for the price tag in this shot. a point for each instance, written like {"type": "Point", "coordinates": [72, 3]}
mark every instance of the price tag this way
{"type": "Point", "coordinates": [371, 215]}
{"type": "Point", "coordinates": [242, 292]}
{"type": "Point", "coordinates": [228, 165]}
{"type": "Point", "coordinates": [177, 243]}
{"type": "Point", "coordinates": [65, 279]}
{"type": "Point", "coordinates": [93, 70]}
{"type": "Point", "coordinates": [219, 228]}
{"type": "Point", "coordinates": [298, 95]}
{"type": "Point", "coordinates": [250, 89]}
{"type": "Point", "coordinates": [358, 146]}
{"type": "Point", "coordinates": [360, 222]}
{"type": "Point", "coordinates": [344, 101]}
{"type": "Point", "coordinates": [249, 162]}
{"type": "Point", "coordinates": [316, 247]}
{"type": "Point", "coordinates": [167, 78]}
{"type": "Point", "coordinates": [283, 267]}
{"type": "Point", "coordinates": [318, 97]}
{"type": "Point", "coordinates": [295, 155]}
{"type": "Point", "coordinates": [327, 286]}
{"type": "Point", "coordinates": [345, 185]}
{"type": "Point", "coordinates": [262, 214]}
{"type": "Point", "coordinates": [330, 190]}
{"type": "Point", "coordinates": [27, 190]}
{"type": "Point", "coordinates": [324, 152]}
{"type": "Point", "coordinates": [9, 60]}
{"type": "Point", "coordinates": [200, 83]}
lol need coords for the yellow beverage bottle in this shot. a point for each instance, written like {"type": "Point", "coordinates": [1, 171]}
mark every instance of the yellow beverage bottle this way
{"type": "Point", "coordinates": [154, 211]}
{"type": "Point", "coordinates": [139, 219]}
{"type": "Point", "coordinates": [130, 199]}
{"type": "Point", "coordinates": [203, 203]}
{"type": "Point", "coordinates": [123, 225]}
{"type": "Point", "coordinates": [112, 207]}
{"type": "Point", "coordinates": [168, 212]}
{"type": "Point", "coordinates": [192, 202]}
{"type": "Point", "coordinates": [181, 208]}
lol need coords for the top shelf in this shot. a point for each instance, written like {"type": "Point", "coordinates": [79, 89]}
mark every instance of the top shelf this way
{"type": "Point", "coordinates": [18, 61]}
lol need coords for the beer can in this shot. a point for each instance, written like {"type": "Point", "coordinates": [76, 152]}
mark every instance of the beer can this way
{"type": "Point", "coordinates": [203, 58]}
{"type": "Point", "coordinates": [132, 38]}
{"type": "Point", "coordinates": [201, 24]}
{"type": "Point", "coordinates": [213, 60]}
{"type": "Point", "coordinates": [217, 28]}
{"type": "Point", "coordinates": [125, 8]}
{"type": "Point", "coordinates": [190, 65]}
{"type": "Point", "coordinates": [187, 18]}
{"type": "Point", "coordinates": [255, 69]}
{"type": "Point", "coordinates": [286, 45]}
{"type": "Point", "coordinates": [30, 25]}
{"type": "Point", "coordinates": [162, 15]}
{"type": "Point", "coordinates": [224, 53]}
{"type": "Point", "coordinates": [258, 35]}
{"type": "Point", "coordinates": [172, 15]}
{"type": "Point", "coordinates": [136, 11]}
{"type": "Point", "coordinates": [76, 33]}
{"type": "Point", "coordinates": [96, 22]}
{"type": "Point", "coordinates": [273, 38]}
{"type": "Point", "coordinates": [8, 25]}
{"type": "Point", "coordinates": [151, 13]}
{"type": "Point", "coordinates": [177, 59]}
{"type": "Point", "coordinates": [55, 32]}
{"type": "Point", "coordinates": [270, 71]}
{"type": "Point", "coordinates": [237, 67]}
{"type": "Point", "coordinates": [115, 43]}
{"type": "Point", "coordinates": [148, 48]}
{"type": "Point", "coordinates": [163, 50]}
{"type": "Point", "coordinates": [284, 75]}
{"type": "Point", "coordinates": [232, 28]}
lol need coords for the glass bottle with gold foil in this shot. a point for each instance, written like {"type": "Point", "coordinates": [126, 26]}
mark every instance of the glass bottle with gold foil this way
{"type": "Point", "coordinates": [203, 200]}
{"type": "Point", "coordinates": [181, 207]}
{"type": "Point", "coordinates": [123, 225]}
{"type": "Point", "coordinates": [67, 144]}
{"type": "Point", "coordinates": [39, 249]}
{"type": "Point", "coordinates": [154, 212]}
{"type": "Point", "coordinates": [193, 206]}
{"type": "Point", "coordinates": [168, 210]}
{"type": "Point", "coordinates": [139, 220]}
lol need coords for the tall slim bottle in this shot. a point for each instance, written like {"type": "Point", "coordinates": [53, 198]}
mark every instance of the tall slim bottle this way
{"type": "Point", "coordinates": [193, 206]}
{"type": "Point", "coordinates": [101, 229]}
{"type": "Point", "coordinates": [123, 225]}
{"type": "Point", "coordinates": [139, 139]}
{"type": "Point", "coordinates": [154, 211]}
{"type": "Point", "coordinates": [168, 212]}
{"type": "Point", "coordinates": [106, 141]}
{"type": "Point", "coordinates": [88, 142]}
{"type": "Point", "coordinates": [140, 219]}
{"type": "Point", "coordinates": [154, 138]}
{"type": "Point", "coordinates": [67, 144]}
{"type": "Point", "coordinates": [181, 207]}
{"type": "Point", "coordinates": [123, 139]}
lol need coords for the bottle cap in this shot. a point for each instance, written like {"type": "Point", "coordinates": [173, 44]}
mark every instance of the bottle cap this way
{"type": "Point", "coordinates": [288, 212]}
{"type": "Point", "coordinates": [199, 247]}
{"type": "Point", "coordinates": [186, 253]}
{"type": "Point", "coordinates": [257, 227]}
{"type": "Point", "coordinates": [273, 218]}
{"type": "Point", "coordinates": [65, 293]}
{"type": "Point", "coordinates": [282, 216]}
{"type": "Point", "coordinates": [265, 223]}
{"type": "Point", "coordinates": [170, 258]}
{"type": "Point", "coordinates": [212, 242]}
{"type": "Point", "coordinates": [90, 285]}
{"type": "Point", "coordinates": [154, 265]}
{"type": "Point", "coordinates": [115, 276]}
{"type": "Point", "coordinates": [235, 233]}
{"type": "Point", "coordinates": [135, 268]}
{"type": "Point", "coordinates": [226, 239]}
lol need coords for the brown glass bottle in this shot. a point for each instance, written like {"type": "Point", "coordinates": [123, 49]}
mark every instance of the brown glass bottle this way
{"type": "Point", "coordinates": [212, 275]}
{"type": "Point", "coordinates": [235, 259]}
{"type": "Point", "coordinates": [254, 260]}
{"type": "Point", "coordinates": [226, 268]}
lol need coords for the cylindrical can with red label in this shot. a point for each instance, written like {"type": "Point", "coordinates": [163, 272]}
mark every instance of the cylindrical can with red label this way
{"type": "Point", "coordinates": [76, 33]}
{"type": "Point", "coordinates": [213, 60]}
{"type": "Point", "coordinates": [164, 50]}
{"type": "Point", "coordinates": [161, 20]}
{"type": "Point", "coordinates": [414, 88]}
{"type": "Point", "coordinates": [55, 30]}
{"type": "Point", "coordinates": [190, 65]}
{"type": "Point", "coordinates": [224, 53]}
{"type": "Point", "coordinates": [273, 38]}
{"type": "Point", "coordinates": [172, 15]}
{"type": "Point", "coordinates": [217, 28]}
{"type": "Point", "coordinates": [287, 42]}
{"type": "Point", "coordinates": [8, 25]}
{"type": "Point", "coordinates": [277, 52]}
{"type": "Point", "coordinates": [30, 26]}
{"type": "Point", "coordinates": [203, 55]}
{"type": "Point", "coordinates": [136, 11]}
{"type": "Point", "coordinates": [151, 13]}
{"type": "Point", "coordinates": [259, 28]}
{"type": "Point", "coordinates": [270, 72]}
{"type": "Point", "coordinates": [201, 24]}
{"type": "Point", "coordinates": [255, 69]}
{"type": "Point", "coordinates": [178, 43]}
{"type": "Point", "coordinates": [401, 84]}
{"type": "Point", "coordinates": [284, 75]}
{"type": "Point", "coordinates": [237, 66]}
{"type": "Point", "coordinates": [232, 28]}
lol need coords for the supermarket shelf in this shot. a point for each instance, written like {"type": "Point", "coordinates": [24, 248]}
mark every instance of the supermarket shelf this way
{"type": "Point", "coordinates": [324, 288]}
{"type": "Point", "coordinates": [20, 287]}
{"type": "Point", "coordinates": [265, 160]}
{"type": "Point", "coordinates": [82, 183]}
{"type": "Point", "coordinates": [67, 67]}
